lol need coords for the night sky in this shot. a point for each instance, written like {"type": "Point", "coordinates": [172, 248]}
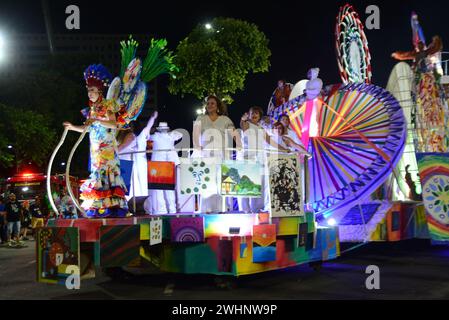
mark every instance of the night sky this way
{"type": "Point", "coordinates": [301, 36]}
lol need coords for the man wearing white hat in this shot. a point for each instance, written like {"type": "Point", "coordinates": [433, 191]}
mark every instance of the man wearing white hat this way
{"type": "Point", "coordinates": [164, 140]}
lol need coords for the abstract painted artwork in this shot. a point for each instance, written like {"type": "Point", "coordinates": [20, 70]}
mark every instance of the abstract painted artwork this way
{"type": "Point", "coordinates": [198, 176]}
{"type": "Point", "coordinates": [285, 186]}
{"type": "Point", "coordinates": [155, 231]}
{"type": "Point", "coordinates": [241, 178]}
{"type": "Point", "coordinates": [126, 169]}
{"type": "Point", "coordinates": [58, 251]}
{"type": "Point", "coordinates": [161, 175]}
{"type": "Point", "coordinates": [187, 229]}
{"type": "Point", "coordinates": [264, 243]}
{"type": "Point", "coordinates": [119, 245]}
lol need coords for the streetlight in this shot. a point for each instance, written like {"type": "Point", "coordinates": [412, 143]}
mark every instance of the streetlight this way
{"type": "Point", "coordinates": [208, 26]}
{"type": "Point", "coordinates": [63, 164]}
{"type": "Point", "coordinates": [2, 47]}
{"type": "Point", "coordinates": [199, 111]}
{"type": "Point", "coordinates": [10, 147]}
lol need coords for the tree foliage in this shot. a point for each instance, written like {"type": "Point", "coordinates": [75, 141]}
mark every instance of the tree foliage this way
{"type": "Point", "coordinates": [29, 134]}
{"type": "Point", "coordinates": [218, 60]}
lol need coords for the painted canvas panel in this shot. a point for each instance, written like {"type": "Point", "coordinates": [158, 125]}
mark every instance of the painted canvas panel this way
{"type": "Point", "coordinates": [285, 186]}
{"type": "Point", "coordinates": [241, 179]}
{"type": "Point", "coordinates": [224, 256]}
{"type": "Point", "coordinates": [58, 251]}
{"type": "Point", "coordinates": [155, 231]}
{"type": "Point", "coordinates": [434, 174]}
{"type": "Point", "coordinates": [161, 175]}
{"type": "Point", "coordinates": [198, 176]}
{"type": "Point", "coordinates": [187, 229]}
{"type": "Point", "coordinates": [119, 245]}
{"type": "Point", "coordinates": [264, 243]}
{"type": "Point", "coordinates": [126, 169]}
{"type": "Point", "coordinates": [302, 234]}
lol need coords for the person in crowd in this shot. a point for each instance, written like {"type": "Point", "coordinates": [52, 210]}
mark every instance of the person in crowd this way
{"type": "Point", "coordinates": [13, 211]}
{"type": "Point", "coordinates": [25, 220]}
{"type": "Point", "coordinates": [37, 216]}
{"type": "Point", "coordinates": [3, 225]}
{"type": "Point", "coordinates": [68, 209]}
{"type": "Point", "coordinates": [213, 134]}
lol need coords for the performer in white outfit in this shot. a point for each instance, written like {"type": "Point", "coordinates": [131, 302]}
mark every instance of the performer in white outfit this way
{"type": "Point", "coordinates": [164, 150]}
{"type": "Point", "coordinates": [134, 148]}
{"type": "Point", "coordinates": [215, 131]}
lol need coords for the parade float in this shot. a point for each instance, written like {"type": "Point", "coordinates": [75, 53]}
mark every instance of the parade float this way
{"type": "Point", "coordinates": [356, 133]}
{"type": "Point", "coordinates": [189, 241]}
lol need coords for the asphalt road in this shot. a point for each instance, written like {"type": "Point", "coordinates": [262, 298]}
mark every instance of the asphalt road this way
{"type": "Point", "coordinates": [408, 270]}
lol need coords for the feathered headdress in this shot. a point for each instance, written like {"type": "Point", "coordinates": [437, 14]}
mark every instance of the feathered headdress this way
{"type": "Point", "coordinates": [96, 75]}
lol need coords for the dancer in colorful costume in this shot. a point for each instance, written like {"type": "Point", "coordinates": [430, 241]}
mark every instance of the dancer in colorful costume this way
{"type": "Point", "coordinates": [104, 192]}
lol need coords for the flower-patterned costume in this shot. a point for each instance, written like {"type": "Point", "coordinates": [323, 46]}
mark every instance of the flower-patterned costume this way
{"type": "Point", "coordinates": [104, 192]}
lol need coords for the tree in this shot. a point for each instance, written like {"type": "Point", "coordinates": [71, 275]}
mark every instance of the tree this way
{"type": "Point", "coordinates": [29, 133]}
{"type": "Point", "coordinates": [217, 60]}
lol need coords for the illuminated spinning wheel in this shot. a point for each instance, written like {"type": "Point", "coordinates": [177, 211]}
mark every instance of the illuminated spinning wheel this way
{"type": "Point", "coordinates": [353, 57]}
{"type": "Point", "coordinates": [362, 133]}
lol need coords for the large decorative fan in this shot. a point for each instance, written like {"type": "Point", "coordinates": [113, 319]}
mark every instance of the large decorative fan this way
{"type": "Point", "coordinates": [362, 132]}
{"type": "Point", "coordinates": [353, 56]}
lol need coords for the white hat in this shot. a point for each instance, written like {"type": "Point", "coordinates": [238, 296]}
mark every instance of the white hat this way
{"type": "Point", "coordinates": [162, 125]}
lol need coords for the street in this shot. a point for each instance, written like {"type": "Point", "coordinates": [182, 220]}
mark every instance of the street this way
{"type": "Point", "coordinates": [408, 270]}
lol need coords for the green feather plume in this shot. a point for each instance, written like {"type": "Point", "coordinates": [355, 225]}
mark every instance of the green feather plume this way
{"type": "Point", "coordinates": [128, 52]}
{"type": "Point", "coordinates": [158, 61]}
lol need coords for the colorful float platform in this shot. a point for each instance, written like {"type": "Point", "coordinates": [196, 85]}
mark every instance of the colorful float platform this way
{"type": "Point", "coordinates": [230, 244]}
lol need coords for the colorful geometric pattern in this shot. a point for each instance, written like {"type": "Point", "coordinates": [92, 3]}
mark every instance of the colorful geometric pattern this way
{"type": "Point", "coordinates": [119, 245]}
{"type": "Point", "coordinates": [187, 229]}
{"type": "Point", "coordinates": [161, 175]}
{"type": "Point", "coordinates": [353, 56]}
{"type": "Point", "coordinates": [56, 250]}
{"type": "Point", "coordinates": [434, 173]}
{"type": "Point", "coordinates": [362, 133]}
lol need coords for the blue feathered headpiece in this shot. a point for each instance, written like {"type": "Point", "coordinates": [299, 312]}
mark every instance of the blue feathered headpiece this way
{"type": "Point", "coordinates": [96, 75]}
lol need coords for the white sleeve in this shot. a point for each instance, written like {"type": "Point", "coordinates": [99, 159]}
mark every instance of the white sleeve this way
{"type": "Point", "coordinates": [229, 124]}
{"type": "Point", "coordinates": [175, 135]}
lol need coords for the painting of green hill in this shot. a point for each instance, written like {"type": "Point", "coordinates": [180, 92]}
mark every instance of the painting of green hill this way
{"type": "Point", "coordinates": [241, 179]}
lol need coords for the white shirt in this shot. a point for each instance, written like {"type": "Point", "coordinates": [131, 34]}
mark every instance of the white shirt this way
{"type": "Point", "coordinates": [215, 134]}
{"type": "Point", "coordinates": [253, 138]}
{"type": "Point", "coordinates": [165, 141]}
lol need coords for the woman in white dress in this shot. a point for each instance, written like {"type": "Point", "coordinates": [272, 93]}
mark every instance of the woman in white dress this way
{"type": "Point", "coordinates": [213, 134]}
